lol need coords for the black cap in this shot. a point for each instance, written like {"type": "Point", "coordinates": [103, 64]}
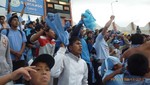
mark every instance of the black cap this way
{"type": "Point", "coordinates": [45, 58]}
{"type": "Point", "coordinates": [11, 18]}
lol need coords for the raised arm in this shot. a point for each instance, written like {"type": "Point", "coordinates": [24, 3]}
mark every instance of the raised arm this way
{"type": "Point", "coordinates": [107, 25]}
{"type": "Point", "coordinates": [76, 29]}
{"type": "Point", "coordinates": [59, 60]}
{"type": "Point", "coordinates": [9, 8]}
{"type": "Point", "coordinates": [22, 12]}
{"type": "Point", "coordinates": [111, 76]}
{"type": "Point", "coordinates": [36, 36]}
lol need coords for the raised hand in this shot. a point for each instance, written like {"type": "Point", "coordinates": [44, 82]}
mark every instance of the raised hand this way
{"type": "Point", "coordinates": [25, 4]}
{"type": "Point", "coordinates": [23, 71]}
{"type": "Point", "coordinates": [112, 17]}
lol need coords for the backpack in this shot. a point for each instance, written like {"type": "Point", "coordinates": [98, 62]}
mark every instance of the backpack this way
{"type": "Point", "coordinates": [7, 32]}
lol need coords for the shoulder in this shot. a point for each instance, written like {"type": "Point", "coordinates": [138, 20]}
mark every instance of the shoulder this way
{"type": "Point", "coordinates": [3, 31]}
{"type": "Point", "coordinates": [4, 36]}
{"type": "Point", "coordinates": [83, 61]}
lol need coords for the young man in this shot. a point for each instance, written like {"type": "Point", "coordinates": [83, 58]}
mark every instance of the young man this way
{"type": "Point", "coordinates": [100, 45]}
{"type": "Point", "coordinates": [9, 15]}
{"type": "Point", "coordinates": [100, 48]}
{"type": "Point", "coordinates": [45, 38]}
{"type": "Point", "coordinates": [17, 41]}
{"type": "Point", "coordinates": [70, 69]}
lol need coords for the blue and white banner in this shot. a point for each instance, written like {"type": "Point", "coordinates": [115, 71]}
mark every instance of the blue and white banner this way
{"type": "Point", "coordinates": [35, 7]}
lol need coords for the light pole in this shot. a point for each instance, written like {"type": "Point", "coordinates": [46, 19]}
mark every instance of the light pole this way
{"type": "Point", "coordinates": [112, 6]}
{"type": "Point", "coordinates": [114, 25]}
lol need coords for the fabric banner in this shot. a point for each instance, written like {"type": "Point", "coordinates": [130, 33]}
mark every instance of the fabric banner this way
{"type": "Point", "coordinates": [35, 7]}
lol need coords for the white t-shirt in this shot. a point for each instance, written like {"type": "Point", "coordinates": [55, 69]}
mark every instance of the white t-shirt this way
{"type": "Point", "coordinates": [101, 47]}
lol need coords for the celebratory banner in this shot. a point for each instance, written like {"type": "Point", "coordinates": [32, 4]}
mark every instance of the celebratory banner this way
{"type": "Point", "coordinates": [35, 7]}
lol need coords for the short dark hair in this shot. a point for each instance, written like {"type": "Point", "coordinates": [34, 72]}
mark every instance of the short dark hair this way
{"type": "Point", "coordinates": [39, 27]}
{"type": "Point", "coordinates": [138, 64]}
{"type": "Point", "coordinates": [73, 39]}
{"type": "Point", "coordinates": [2, 16]}
{"type": "Point", "coordinates": [101, 30]}
{"type": "Point", "coordinates": [11, 18]}
{"type": "Point", "coordinates": [137, 39]}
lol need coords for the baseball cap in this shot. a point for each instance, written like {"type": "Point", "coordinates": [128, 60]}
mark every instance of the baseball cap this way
{"type": "Point", "coordinates": [116, 42]}
{"type": "Point", "coordinates": [45, 58]}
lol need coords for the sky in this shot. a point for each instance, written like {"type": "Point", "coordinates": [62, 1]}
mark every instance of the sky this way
{"type": "Point", "coordinates": [125, 11]}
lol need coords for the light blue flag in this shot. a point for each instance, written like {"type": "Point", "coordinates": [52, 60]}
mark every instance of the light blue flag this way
{"type": "Point", "coordinates": [86, 56]}
{"type": "Point", "coordinates": [67, 25]}
{"type": "Point", "coordinates": [89, 20]}
{"type": "Point", "coordinates": [29, 19]}
{"type": "Point", "coordinates": [54, 22]}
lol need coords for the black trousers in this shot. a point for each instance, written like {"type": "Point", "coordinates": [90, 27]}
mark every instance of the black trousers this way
{"type": "Point", "coordinates": [97, 76]}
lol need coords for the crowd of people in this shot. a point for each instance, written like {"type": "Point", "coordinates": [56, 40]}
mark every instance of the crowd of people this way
{"type": "Point", "coordinates": [48, 53]}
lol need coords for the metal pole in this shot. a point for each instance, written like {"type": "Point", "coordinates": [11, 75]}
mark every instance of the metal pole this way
{"type": "Point", "coordinates": [112, 6]}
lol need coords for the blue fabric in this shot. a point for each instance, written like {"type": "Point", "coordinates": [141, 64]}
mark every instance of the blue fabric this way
{"type": "Point", "coordinates": [117, 80]}
{"type": "Point", "coordinates": [116, 41]}
{"type": "Point", "coordinates": [54, 22]}
{"type": "Point", "coordinates": [89, 20]}
{"type": "Point", "coordinates": [106, 69]}
{"type": "Point", "coordinates": [108, 64]}
{"type": "Point", "coordinates": [85, 52]}
{"type": "Point", "coordinates": [28, 31]}
{"type": "Point", "coordinates": [67, 25]}
{"type": "Point", "coordinates": [85, 55]}
{"type": "Point", "coordinates": [16, 40]}
{"type": "Point", "coordinates": [29, 19]}
{"type": "Point", "coordinates": [90, 46]}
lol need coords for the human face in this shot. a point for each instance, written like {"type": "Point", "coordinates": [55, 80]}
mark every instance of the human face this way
{"type": "Point", "coordinates": [15, 22]}
{"type": "Point", "coordinates": [51, 34]}
{"type": "Point", "coordinates": [2, 20]}
{"type": "Point", "coordinates": [90, 35]}
{"type": "Point", "coordinates": [76, 48]}
{"type": "Point", "coordinates": [117, 45]}
{"type": "Point", "coordinates": [42, 76]}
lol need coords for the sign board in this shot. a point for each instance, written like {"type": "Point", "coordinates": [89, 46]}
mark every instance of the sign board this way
{"type": "Point", "coordinates": [64, 0]}
{"type": "Point", "coordinates": [35, 7]}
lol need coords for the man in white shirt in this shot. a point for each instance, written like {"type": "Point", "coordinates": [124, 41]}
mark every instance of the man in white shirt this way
{"type": "Point", "coordinates": [70, 69]}
{"type": "Point", "coordinates": [100, 45]}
